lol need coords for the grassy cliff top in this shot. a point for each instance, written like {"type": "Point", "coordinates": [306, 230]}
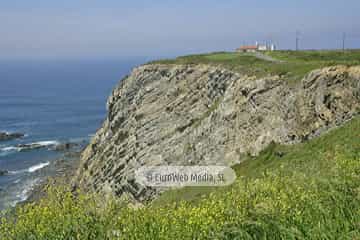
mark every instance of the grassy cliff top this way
{"type": "Point", "coordinates": [291, 64]}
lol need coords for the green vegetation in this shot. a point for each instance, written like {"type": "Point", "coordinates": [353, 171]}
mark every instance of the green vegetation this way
{"type": "Point", "coordinates": [292, 64]}
{"type": "Point", "coordinates": [303, 191]}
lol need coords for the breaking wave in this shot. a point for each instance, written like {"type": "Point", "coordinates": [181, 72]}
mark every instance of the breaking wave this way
{"type": "Point", "coordinates": [7, 150]}
{"type": "Point", "coordinates": [37, 167]}
{"type": "Point", "coordinates": [31, 169]}
{"type": "Point", "coordinates": [25, 192]}
{"type": "Point", "coordinates": [26, 147]}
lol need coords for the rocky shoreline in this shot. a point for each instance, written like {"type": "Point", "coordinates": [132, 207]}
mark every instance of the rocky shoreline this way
{"type": "Point", "coordinates": [64, 169]}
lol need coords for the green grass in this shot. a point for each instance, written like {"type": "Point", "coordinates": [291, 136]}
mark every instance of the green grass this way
{"type": "Point", "coordinates": [295, 65]}
{"type": "Point", "coordinates": [303, 191]}
{"type": "Point", "coordinates": [311, 158]}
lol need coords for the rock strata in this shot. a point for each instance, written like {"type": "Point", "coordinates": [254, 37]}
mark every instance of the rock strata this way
{"type": "Point", "coordinates": [206, 115]}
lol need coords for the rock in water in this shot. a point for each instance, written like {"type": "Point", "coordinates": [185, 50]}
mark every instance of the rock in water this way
{"type": "Point", "coordinates": [3, 172]}
{"type": "Point", "coordinates": [65, 146]}
{"type": "Point", "coordinates": [30, 146]}
{"type": "Point", "coordinates": [4, 136]}
{"type": "Point", "coordinates": [207, 115]}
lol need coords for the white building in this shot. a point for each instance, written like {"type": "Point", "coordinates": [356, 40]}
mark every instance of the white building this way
{"type": "Point", "coordinates": [257, 47]}
{"type": "Point", "coordinates": [262, 48]}
{"type": "Point", "coordinates": [265, 47]}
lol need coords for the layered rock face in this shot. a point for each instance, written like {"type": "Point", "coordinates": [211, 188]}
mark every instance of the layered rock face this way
{"type": "Point", "coordinates": [206, 115]}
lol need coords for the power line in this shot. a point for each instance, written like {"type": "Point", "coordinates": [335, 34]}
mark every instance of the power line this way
{"type": "Point", "coordinates": [343, 41]}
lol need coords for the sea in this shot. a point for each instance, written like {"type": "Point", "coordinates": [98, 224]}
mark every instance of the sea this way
{"type": "Point", "coordinates": [52, 102]}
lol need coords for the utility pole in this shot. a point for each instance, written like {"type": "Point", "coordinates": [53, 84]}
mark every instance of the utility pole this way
{"type": "Point", "coordinates": [297, 40]}
{"type": "Point", "coordinates": [343, 41]}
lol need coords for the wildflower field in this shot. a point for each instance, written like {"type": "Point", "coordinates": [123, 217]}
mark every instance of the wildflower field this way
{"type": "Point", "coordinates": [309, 191]}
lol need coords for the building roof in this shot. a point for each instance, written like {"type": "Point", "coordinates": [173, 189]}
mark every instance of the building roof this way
{"type": "Point", "coordinates": [252, 47]}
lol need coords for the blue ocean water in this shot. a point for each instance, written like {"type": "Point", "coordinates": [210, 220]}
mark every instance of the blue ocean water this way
{"type": "Point", "coordinates": [51, 102]}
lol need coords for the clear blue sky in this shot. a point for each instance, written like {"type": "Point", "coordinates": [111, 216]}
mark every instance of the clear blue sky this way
{"type": "Point", "coordinates": [124, 28]}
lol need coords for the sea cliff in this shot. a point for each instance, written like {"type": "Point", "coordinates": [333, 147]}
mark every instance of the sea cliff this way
{"type": "Point", "coordinates": [201, 114]}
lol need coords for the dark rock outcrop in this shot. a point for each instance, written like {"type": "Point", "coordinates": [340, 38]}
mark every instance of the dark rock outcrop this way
{"type": "Point", "coordinates": [206, 115]}
{"type": "Point", "coordinates": [4, 136]}
{"type": "Point", "coordinates": [65, 146]}
{"type": "Point", "coordinates": [55, 146]}
{"type": "Point", "coordinates": [30, 146]}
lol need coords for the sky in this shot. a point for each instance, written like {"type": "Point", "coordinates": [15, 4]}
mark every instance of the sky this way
{"type": "Point", "coordinates": [157, 28]}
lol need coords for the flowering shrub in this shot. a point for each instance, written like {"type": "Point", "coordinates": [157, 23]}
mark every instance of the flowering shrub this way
{"type": "Point", "coordinates": [299, 199]}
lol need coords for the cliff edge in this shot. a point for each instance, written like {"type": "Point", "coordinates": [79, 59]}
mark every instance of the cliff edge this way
{"type": "Point", "coordinates": [187, 114]}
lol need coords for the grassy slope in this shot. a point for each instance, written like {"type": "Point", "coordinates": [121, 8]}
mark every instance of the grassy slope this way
{"type": "Point", "coordinates": [304, 191]}
{"type": "Point", "coordinates": [294, 66]}
{"type": "Point", "coordinates": [311, 158]}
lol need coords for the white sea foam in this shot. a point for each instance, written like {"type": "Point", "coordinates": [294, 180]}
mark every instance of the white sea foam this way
{"type": "Point", "coordinates": [8, 150]}
{"type": "Point", "coordinates": [46, 143]}
{"type": "Point", "coordinates": [12, 149]}
{"type": "Point", "coordinates": [37, 167]}
{"type": "Point", "coordinates": [31, 169]}
{"type": "Point", "coordinates": [24, 194]}
{"type": "Point", "coordinates": [17, 181]}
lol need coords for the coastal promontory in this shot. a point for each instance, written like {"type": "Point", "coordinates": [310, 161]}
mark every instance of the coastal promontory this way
{"type": "Point", "coordinates": [214, 109]}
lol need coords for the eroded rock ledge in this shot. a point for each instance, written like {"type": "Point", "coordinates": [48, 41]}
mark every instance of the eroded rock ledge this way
{"type": "Point", "coordinates": [200, 114]}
